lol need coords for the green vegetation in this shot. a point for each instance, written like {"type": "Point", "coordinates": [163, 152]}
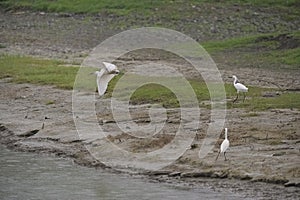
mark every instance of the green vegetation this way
{"type": "Point", "coordinates": [40, 71]}
{"type": "Point", "coordinates": [267, 2]}
{"type": "Point", "coordinates": [37, 71]}
{"type": "Point", "coordinates": [275, 49]}
{"type": "Point", "coordinates": [154, 93]}
{"type": "Point", "coordinates": [49, 102]}
{"type": "Point", "coordinates": [122, 7]}
{"type": "Point", "coordinates": [257, 103]}
{"type": "Point", "coordinates": [84, 6]}
{"type": "Point", "coordinates": [229, 44]}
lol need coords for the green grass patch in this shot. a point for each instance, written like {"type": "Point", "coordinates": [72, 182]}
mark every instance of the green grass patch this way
{"type": "Point", "coordinates": [266, 3]}
{"type": "Point", "coordinates": [51, 72]}
{"type": "Point", "coordinates": [253, 103]}
{"type": "Point", "coordinates": [122, 7]}
{"type": "Point", "coordinates": [288, 57]}
{"type": "Point", "coordinates": [286, 100]}
{"type": "Point", "coordinates": [85, 6]}
{"type": "Point", "coordinates": [268, 41]}
{"type": "Point", "coordinates": [256, 102]}
{"type": "Point", "coordinates": [157, 94]}
{"type": "Point", "coordinates": [50, 102]}
{"type": "Point", "coordinates": [37, 71]}
{"type": "Point", "coordinates": [167, 91]}
{"type": "Point", "coordinates": [229, 44]}
{"type": "Point", "coordinates": [276, 50]}
{"type": "Point", "coordinates": [154, 93]}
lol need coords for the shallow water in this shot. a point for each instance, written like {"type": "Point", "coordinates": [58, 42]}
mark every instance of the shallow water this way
{"type": "Point", "coordinates": [35, 176]}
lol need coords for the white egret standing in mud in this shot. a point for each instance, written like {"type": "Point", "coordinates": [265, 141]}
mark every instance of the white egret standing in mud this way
{"type": "Point", "coordinates": [239, 88]}
{"type": "Point", "coordinates": [224, 145]}
{"type": "Point", "coordinates": [105, 75]}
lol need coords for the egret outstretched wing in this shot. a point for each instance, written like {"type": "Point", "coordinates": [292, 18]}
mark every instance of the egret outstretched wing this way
{"type": "Point", "coordinates": [105, 75]}
{"type": "Point", "coordinates": [102, 82]}
{"type": "Point", "coordinates": [110, 67]}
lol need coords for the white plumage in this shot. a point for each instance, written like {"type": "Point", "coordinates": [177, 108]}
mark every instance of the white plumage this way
{"type": "Point", "coordinates": [105, 75]}
{"type": "Point", "coordinates": [239, 88]}
{"type": "Point", "coordinates": [224, 145]}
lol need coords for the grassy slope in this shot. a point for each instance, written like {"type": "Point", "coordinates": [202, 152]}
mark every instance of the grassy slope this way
{"type": "Point", "coordinates": [164, 13]}
{"type": "Point", "coordinates": [177, 10]}
{"type": "Point", "coordinates": [264, 48]}
{"type": "Point", "coordinates": [37, 71]}
{"type": "Point", "coordinates": [87, 6]}
{"type": "Point", "coordinates": [124, 6]}
{"type": "Point", "coordinates": [269, 48]}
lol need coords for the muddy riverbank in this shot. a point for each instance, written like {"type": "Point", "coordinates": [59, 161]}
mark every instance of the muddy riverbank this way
{"type": "Point", "coordinates": [264, 145]}
{"type": "Point", "coordinates": [253, 159]}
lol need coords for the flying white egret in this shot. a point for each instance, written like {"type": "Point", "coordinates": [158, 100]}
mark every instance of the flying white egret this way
{"type": "Point", "coordinates": [224, 146]}
{"type": "Point", "coordinates": [239, 88]}
{"type": "Point", "coordinates": [105, 75]}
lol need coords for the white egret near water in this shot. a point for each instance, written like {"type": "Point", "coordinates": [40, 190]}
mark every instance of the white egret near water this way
{"type": "Point", "coordinates": [105, 75]}
{"type": "Point", "coordinates": [239, 88]}
{"type": "Point", "coordinates": [224, 145]}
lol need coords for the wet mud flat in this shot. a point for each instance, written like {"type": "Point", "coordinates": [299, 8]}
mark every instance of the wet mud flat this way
{"type": "Point", "coordinates": [264, 159]}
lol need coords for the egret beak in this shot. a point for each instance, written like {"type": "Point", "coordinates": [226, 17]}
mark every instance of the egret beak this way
{"type": "Point", "coordinates": [92, 73]}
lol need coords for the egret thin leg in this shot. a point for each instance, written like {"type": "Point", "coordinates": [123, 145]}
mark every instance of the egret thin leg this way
{"type": "Point", "coordinates": [237, 96]}
{"type": "Point", "coordinates": [239, 88]}
{"type": "Point", "coordinates": [224, 146]}
{"type": "Point", "coordinates": [244, 96]}
{"type": "Point", "coordinates": [217, 156]}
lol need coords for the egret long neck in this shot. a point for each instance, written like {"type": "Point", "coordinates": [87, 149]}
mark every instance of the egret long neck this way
{"type": "Point", "coordinates": [235, 80]}
{"type": "Point", "coordinates": [226, 134]}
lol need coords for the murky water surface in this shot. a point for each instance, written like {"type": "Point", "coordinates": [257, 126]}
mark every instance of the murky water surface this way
{"type": "Point", "coordinates": [34, 176]}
